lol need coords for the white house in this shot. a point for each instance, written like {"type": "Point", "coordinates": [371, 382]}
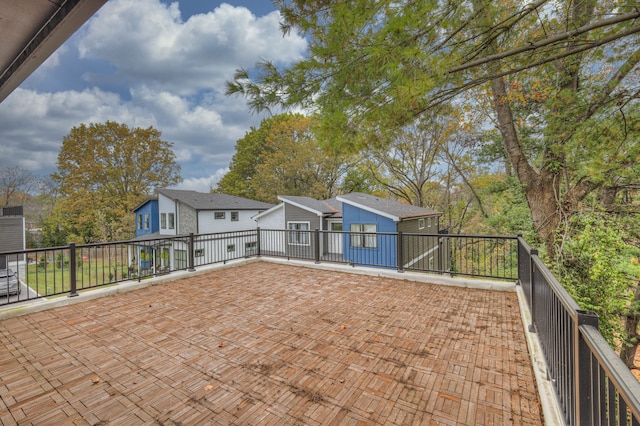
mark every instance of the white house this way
{"type": "Point", "coordinates": [219, 221]}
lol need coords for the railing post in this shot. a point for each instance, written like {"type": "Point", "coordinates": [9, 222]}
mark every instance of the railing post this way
{"type": "Point", "coordinates": [73, 291]}
{"type": "Point", "coordinates": [518, 238]}
{"type": "Point", "coordinates": [583, 370]}
{"type": "Point", "coordinates": [532, 303]}
{"type": "Point", "coordinates": [191, 253]}
{"type": "Point", "coordinates": [258, 241]}
{"type": "Point", "coordinates": [316, 244]}
{"type": "Point", "coordinates": [399, 253]}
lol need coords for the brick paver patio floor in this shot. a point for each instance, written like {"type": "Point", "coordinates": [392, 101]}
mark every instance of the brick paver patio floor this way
{"type": "Point", "coordinates": [272, 344]}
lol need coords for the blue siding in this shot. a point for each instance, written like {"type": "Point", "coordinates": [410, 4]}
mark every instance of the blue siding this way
{"type": "Point", "coordinates": [149, 208]}
{"type": "Point", "coordinates": [385, 252]}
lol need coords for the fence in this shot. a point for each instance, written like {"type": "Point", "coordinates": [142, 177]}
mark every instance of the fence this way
{"type": "Point", "coordinates": [593, 386]}
{"type": "Point", "coordinates": [493, 257]}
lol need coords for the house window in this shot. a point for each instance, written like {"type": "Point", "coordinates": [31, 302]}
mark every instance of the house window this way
{"type": "Point", "coordinates": [198, 252]}
{"type": "Point", "coordinates": [219, 215]}
{"type": "Point", "coordinates": [139, 221]}
{"type": "Point", "coordinates": [235, 216]}
{"type": "Point", "coordinates": [172, 223]}
{"type": "Point", "coordinates": [163, 220]}
{"type": "Point", "coordinates": [298, 233]}
{"type": "Point", "coordinates": [364, 240]}
{"type": "Point", "coordinates": [420, 223]}
{"type": "Point", "coordinates": [231, 248]}
{"type": "Point", "coordinates": [250, 248]}
{"type": "Point", "coordinates": [429, 222]}
{"type": "Point", "coordinates": [146, 221]}
{"type": "Point", "coordinates": [180, 257]}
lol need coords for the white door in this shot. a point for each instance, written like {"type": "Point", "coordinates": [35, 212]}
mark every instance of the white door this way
{"type": "Point", "coordinates": [335, 239]}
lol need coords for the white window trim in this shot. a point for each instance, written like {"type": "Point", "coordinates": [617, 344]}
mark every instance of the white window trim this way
{"type": "Point", "coordinates": [421, 223]}
{"type": "Point", "coordinates": [364, 239]}
{"type": "Point", "coordinates": [222, 214]}
{"type": "Point", "coordinates": [304, 231]}
{"type": "Point", "coordinates": [237, 214]}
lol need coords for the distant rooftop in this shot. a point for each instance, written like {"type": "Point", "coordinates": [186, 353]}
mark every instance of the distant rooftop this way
{"type": "Point", "coordinates": [209, 201]}
{"type": "Point", "coordinates": [330, 207]}
{"type": "Point", "coordinates": [385, 206]}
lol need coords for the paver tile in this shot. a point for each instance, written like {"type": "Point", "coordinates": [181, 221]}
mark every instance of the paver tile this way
{"type": "Point", "coordinates": [268, 344]}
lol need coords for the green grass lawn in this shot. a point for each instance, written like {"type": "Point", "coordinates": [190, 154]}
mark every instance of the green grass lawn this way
{"type": "Point", "coordinates": [52, 279]}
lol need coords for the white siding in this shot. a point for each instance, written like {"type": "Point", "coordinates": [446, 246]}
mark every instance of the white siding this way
{"type": "Point", "coordinates": [273, 220]}
{"type": "Point", "coordinates": [207, 223]}
{"type": "Point", "coordinates": [273, 241]}
{"type": "Point", "coordinates": [167, 205]}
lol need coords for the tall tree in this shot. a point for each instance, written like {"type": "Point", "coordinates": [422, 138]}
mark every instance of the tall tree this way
{"type": "Point", "coordinates": [374, 66]}
{"type": "Point", "coordinates": [16, 184]}
{"type": "Point", "coordinates": [282, 158]}
{"type": "Point", "coordinates": [408, 165]}
{"type": "Point", "coordinates": [104, 171]}
{"type": "Point", "coordinates": [248, 156]}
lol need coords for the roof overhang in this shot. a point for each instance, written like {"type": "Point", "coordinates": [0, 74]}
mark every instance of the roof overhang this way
{"type": "Point", "coordinates": [31, 30]}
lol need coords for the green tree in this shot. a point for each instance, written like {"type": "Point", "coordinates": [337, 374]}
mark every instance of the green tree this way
{"type": "Point", "coordinates": [410, 162]}
{"type": "Point", "coordinates": [374, 66]}
{"type": "Point", "coordinates": [248, 155]}
{"type": "Point", "coordinates": [595, 268]}
{"type": "Point", "coordinates": [104, 171]}
{"type": "Point", "coordinates": [282, 158]}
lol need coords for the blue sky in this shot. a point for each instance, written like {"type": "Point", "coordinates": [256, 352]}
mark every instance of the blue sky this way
{"type": "Point", "coordinates": [149, 63]}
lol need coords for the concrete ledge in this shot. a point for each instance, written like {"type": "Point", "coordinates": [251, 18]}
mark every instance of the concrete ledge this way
{"type": "Point", "coordinates": [551, 411]}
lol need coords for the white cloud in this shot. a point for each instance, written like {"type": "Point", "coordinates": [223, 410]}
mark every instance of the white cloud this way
{"type": "Point", "coordinates": [146, 66]}
{"type": "Point", "coordinates": [149, 42]}
{"type": "Point", "coordinates": [203, 184]}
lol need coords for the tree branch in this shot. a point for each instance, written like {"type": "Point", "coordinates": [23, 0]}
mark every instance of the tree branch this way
{"type": "Point", "coordinates": [554, 39]}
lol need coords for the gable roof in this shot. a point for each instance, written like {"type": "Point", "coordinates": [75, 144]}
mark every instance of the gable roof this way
{"type": "Point", "coordinates": [331, 207]}
{"type": "Point", "coordinates": [268, 211]}
{"type": "Point", "coordinates": [208, 201]}
{"type": "Point", "coordinates": [144, 203]}
{"type": "Point", "coordinates": [385, 207]}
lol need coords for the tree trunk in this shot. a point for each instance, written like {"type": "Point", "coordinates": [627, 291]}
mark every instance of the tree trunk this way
{"type": "Point", "coordinates": [632, 320]}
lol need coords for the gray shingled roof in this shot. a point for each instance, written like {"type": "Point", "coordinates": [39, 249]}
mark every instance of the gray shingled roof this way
{"type": "Point", "coordinates": [208, 201]}
{"type": "Point", "coordinates": [331, 207]}
{"type": "Point", "coordinates": [384, 205]}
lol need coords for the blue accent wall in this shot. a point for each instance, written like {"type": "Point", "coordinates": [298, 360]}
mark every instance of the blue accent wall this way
{"type": "Point", "coordinates": [150, 208]}
{"type": "Point", "coordinates": [385, 252]}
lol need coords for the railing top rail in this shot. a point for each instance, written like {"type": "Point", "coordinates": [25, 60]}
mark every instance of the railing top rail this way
{"type": "Point", "coordinates": [505, 237]}
{"type": "Point", "coordinates": [624, 381]}
{"type": "Point", "coordinates": [563, 295]}
{"type": "Point", "coordinates": [241, 231]}
{"type": "Point", "coordinates": [524, 244]}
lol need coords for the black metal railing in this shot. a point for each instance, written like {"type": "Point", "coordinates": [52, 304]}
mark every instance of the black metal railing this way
{"type": "Point", "coordinates": [493, 257]}
{"type": "Point", "coordinates": [592, 385]}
